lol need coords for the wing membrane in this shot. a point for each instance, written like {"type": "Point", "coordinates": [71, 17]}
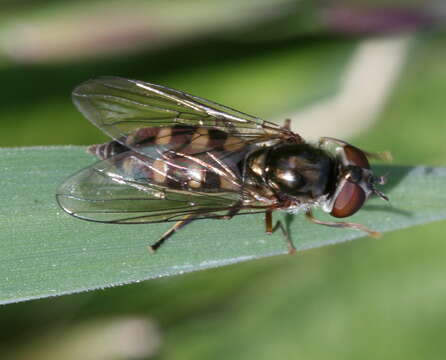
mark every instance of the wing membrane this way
{"type": "Point", "coordinates": [134, 186]}
{"type": "Point", "coordinates": [117, 190]}
{"type": "Point", "coordinates": [121, 106]}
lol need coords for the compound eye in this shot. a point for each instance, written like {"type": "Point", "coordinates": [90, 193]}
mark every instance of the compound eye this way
{"type": "Point", "coordinates": [356, 157]}
{"type": "Point", "coordinates": [349, 200]}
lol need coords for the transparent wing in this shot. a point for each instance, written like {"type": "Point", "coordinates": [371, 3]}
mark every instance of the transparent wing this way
{"type": "Point", "coordinates": [123, 190]}
{"type": "Point", "coordinates": [120, 107]}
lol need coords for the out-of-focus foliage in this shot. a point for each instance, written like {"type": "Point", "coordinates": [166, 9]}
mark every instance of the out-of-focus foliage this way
{"type": "Point", "coordinates": [365, 299]}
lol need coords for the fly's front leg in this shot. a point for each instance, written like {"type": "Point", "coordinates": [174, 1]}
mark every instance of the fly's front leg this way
{"type": "Point", "coordinates": [270, 229]}
{"type": "Point", "coordinates": [342, 224]}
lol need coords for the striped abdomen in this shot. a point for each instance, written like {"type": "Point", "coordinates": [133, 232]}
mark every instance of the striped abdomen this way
{"type": "Point", "coordinates": [180, 157]}
{"type": "Point", "coordinates": [181, 138]}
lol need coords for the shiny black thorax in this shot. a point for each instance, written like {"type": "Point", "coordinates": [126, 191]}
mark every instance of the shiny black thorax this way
{"type": "Point", "coordinates": [293, 171]}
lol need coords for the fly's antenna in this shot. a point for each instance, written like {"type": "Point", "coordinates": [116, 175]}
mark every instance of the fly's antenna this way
{"type": "Point", "coordinates": [378, 180]}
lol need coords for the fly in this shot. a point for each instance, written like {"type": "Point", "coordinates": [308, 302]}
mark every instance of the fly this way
{"type": "Point", "coordinates": [178, 157]}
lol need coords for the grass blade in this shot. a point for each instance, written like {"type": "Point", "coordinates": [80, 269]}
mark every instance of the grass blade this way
{"type": "Point", "coordinates": [44, 252]}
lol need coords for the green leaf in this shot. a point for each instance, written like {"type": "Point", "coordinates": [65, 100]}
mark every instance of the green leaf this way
{"type": "Point", "coordinates": [45, 252]}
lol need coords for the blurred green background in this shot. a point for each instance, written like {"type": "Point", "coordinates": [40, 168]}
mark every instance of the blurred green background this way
{"type": "Point", "coordinates": [371, 72]}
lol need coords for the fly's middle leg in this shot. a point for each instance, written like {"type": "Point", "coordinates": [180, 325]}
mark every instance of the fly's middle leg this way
{"type": "Point", "coordinates": [269, 229]}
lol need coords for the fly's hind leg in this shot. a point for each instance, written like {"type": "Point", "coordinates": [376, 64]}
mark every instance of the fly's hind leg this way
{"type": "Point", "coordinates": [231, 212]}
{"type": "Point", "coordinates": [342, 224]}
{"type": "Point", "coordinates": [270, 229]}
{"type": "Point", "coordinates": [180, 224]}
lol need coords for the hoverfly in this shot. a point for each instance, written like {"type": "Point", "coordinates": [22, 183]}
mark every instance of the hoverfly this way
{"type": "Point", "coordinates": [178, 157]}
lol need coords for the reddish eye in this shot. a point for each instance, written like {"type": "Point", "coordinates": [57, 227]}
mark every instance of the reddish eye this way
{"type": "Point", "coordinates": [356, 157]}
{"type": "Point", "coordinates": [350, 200]}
